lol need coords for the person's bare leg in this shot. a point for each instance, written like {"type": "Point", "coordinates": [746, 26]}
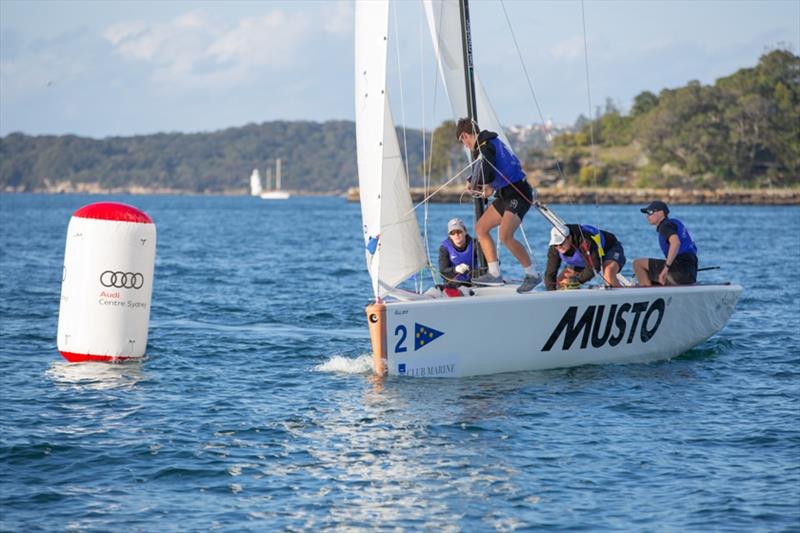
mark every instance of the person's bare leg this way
{"type": "Point", "coordinates": [508, 226]}
{"type": "Point", "coordinates": [640, 269]}
{"type": "Point", "coordinates": [488, 221]}
{"type": "Point", "coordinates": [610, 271]}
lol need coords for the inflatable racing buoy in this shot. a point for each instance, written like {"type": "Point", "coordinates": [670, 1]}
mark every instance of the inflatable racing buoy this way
{"type": "Point", "coordinates": [107, 283]}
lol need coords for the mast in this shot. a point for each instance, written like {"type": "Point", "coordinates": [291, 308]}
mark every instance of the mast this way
{"type": "Point", "coordinates": [472, 108]}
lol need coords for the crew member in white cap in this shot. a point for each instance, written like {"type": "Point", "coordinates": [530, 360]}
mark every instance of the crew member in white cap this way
{"type": "Point", "coordinates": [456, 255]}
{"type": "Point", "coordinates": [585, 249]}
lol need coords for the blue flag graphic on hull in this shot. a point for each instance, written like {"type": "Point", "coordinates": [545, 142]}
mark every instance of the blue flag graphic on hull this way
{"type": "Point", "coordinates": [424, 335]}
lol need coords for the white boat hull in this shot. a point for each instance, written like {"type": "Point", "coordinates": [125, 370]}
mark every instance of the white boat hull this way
{"type": "Point", "coordinates": [275, 195]}
{"type": "Point", "coordinates": [498, 330]}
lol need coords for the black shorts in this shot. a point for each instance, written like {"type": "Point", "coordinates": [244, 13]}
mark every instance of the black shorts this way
{"type": "Point", "coordinates": [617, 254]}
{"type": "Point", "coordinates": [682, 272]}
{"type": "Point", "coordinates": [516, 197]}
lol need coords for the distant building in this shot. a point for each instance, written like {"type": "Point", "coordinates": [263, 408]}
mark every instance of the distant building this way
{"type": "Point", "coordinates": [524, 138]}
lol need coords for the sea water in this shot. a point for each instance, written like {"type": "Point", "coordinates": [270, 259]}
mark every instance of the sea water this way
{"type": "Point", "coordinates": [256, 409]}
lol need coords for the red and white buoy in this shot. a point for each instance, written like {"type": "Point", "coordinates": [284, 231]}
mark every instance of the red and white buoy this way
{"type": "Point", "coordinates": [107, 283]}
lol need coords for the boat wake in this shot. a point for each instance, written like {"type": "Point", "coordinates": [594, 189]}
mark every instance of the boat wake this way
{"type": "Point", "coordinates": [347, 365]}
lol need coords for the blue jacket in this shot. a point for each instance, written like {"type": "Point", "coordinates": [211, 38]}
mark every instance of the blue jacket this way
{"type": "Point", "coordinates": [499, 166]}
{"type": "Point", "coordinates": [687, 244]}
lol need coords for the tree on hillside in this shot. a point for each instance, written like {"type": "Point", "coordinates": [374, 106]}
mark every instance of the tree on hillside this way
{"type": "Point", "coordinates": [742, 130]}
{"type": "Point", "coordinates": [446, 155]}
{"type": "Point", "coordinates": [643, 103]}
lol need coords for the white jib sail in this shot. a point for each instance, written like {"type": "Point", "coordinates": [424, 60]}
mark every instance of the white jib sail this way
{"type": "Point", "coordinates": [394, 249]}
{"type": "Point", "coordinates": [444, 22]}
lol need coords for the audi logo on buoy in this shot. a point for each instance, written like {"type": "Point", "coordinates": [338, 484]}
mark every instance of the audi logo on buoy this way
{"type": "Point", "coordinates": [122, 280]}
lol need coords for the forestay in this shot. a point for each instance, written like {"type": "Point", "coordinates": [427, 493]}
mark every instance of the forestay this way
{"type": "Point", "coordinates": [394, 250]}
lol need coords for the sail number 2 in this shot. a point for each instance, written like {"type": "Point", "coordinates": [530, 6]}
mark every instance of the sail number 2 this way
{"type": "Point", "coordinates": [403, 333]}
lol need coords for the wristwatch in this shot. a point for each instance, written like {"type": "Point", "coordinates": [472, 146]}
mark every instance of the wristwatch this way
{"type": "Point", "coordinates": [667, 265]}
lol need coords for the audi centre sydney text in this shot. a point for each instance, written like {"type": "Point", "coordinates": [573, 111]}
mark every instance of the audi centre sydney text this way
{"type": "Point", "coordinates": [122, 280]}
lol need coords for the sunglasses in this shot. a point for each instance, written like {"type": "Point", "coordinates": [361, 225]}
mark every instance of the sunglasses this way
{"type": "Point", "coordinates": [456, 232]}
{"type": "Point", "coordinates": [650, 211]}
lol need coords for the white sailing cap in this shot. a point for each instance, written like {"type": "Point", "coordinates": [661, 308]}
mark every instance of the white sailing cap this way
{"type": "Point", "coordinates": [456, 223]}
{"type": "Point", "coordinates": [557, 237]}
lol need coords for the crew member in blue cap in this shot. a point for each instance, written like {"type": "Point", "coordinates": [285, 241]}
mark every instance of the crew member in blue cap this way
{"type": "Point", "coordinates": [680, 264]}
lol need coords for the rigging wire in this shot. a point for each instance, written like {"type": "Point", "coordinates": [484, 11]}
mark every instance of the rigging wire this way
{"type": "Point", "coordinates": [589, 97]}
{"type": "Point", "coordinates": [400, 83]}
{"type": "Point", "coordinates": [539, 110]}
{"type": "Point", "coordinates": [426, 175]}
{"type": "Point", "coordinates": [528, 78]}
{"type": "Point", "coordinates": [599, 269]}
{"type": "Point", "coordinates": [445, 184]}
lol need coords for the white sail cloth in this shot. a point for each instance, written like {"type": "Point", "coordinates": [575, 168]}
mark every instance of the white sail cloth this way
{"type": "Point", "coordinates": [394, 250]}
{"type": "Point", "coordinates": [444, 22]}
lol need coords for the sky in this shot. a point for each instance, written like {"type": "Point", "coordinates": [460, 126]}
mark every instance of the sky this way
{"type": "Point", "coordinates": [121, 68]}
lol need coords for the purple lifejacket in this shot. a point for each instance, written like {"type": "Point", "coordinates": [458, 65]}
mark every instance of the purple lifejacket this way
{"type": "Point", "coordinates": [457, 257]}
{"type": "Point", "coordinates": [574, 260]}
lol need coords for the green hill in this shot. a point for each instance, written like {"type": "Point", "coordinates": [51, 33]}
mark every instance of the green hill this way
{"type": "Point", "coordinates": [742, 131]}
{"type": "Point", "coordinates": [316, 157]}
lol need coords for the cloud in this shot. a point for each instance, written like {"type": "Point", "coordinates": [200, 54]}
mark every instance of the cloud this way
{"type": "Point", "coordinates": [30, 66]}
{"type": "Point", "coordinates": [338, 18]}
{"type": "Point", "coordinates": [194, 50]}
{"type": "Point", "coordinates": [571, 48]}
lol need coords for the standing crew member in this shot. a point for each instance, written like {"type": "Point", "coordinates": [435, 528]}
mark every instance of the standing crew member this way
{"type": "Point", "coordinates": [497, 170]}
{"type": "Point", "coordinates": [680, 251]}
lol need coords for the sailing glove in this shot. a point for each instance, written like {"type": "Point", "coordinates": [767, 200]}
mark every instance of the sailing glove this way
{"type": "Point", "coordinates": [462, 268]}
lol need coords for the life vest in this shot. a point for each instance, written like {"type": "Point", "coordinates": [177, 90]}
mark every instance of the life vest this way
{"type": "Point", "coordinates": [508, 169]}
{"type": "Point", "coordinates": [687, 244]}
{"type": "Point", "coordinates": [576, 259]}
{"type": "Point", "coordinates": [457, 257]}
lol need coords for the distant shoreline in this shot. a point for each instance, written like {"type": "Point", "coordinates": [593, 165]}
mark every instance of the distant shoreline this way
{"type": "Point", "coordinates": [548, 195]}
{"type": "Point", "coordinates": [569, 195]}
{"type": "Point", "coordinates": [147, 191]}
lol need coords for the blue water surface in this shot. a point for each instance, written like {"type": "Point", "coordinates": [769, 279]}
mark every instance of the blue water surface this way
{"type": "Point", "coordinates": [256, 409]}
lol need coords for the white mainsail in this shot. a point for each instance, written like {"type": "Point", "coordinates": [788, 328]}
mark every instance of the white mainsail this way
{"type": "Point", "coordinates": [394, 248]}
{"type": "Point", "coordinates": [444, 22]}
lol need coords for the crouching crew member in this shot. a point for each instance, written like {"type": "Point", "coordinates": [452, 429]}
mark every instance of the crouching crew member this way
{"type": "Point", "coordinates": [680, 251]}
{"type": "Point", "coordinates": [584, 249]}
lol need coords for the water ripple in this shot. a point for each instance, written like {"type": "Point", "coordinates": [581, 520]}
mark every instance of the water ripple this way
{"type": "Point", "coordinates": [256, 408]}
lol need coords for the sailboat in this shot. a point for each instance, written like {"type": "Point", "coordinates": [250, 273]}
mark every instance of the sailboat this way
{"type": "Point", "coordinates": [495, 329]}
{"type": "Point", "coordinates": [277, 193]}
